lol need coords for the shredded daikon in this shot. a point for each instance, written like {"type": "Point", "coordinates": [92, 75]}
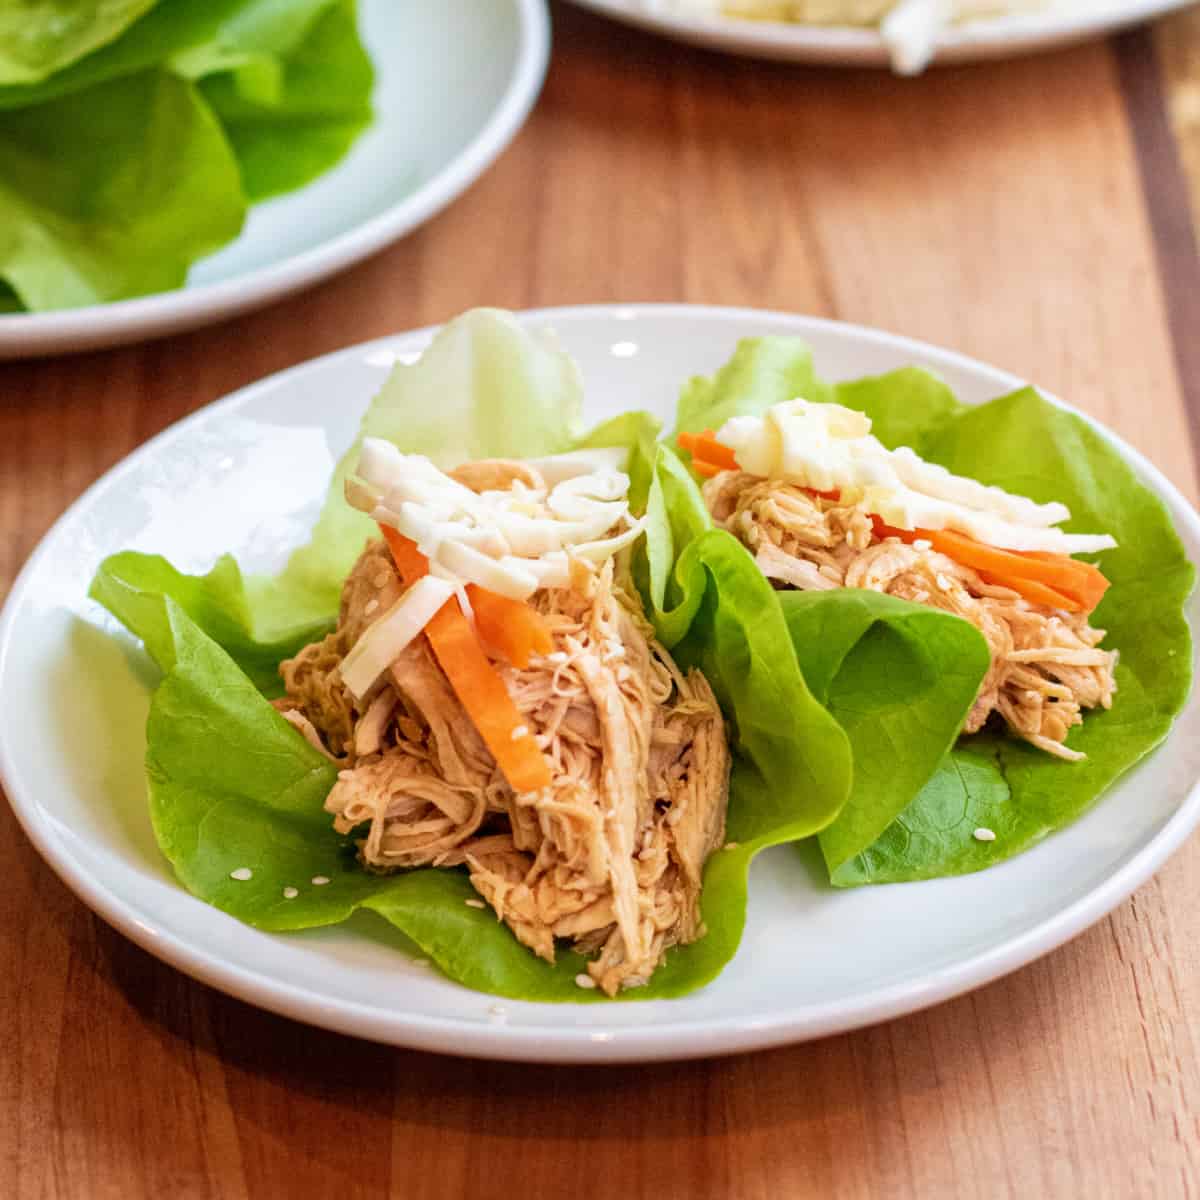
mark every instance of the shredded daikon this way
{"type": "Point", "coordinates": [510, 542]}
{"type": "Point", "coordinates": [383, 641]}
{"type": "Point", "coordinates": [831, 449]}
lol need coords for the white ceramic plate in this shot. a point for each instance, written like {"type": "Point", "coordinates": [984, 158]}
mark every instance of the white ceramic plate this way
{"type": "Point", "coordinates": [247, 475]}
{"type": "Point", "coordinates": [1064, 22]}
{"type": "Point", "coordinates": [455, 80]}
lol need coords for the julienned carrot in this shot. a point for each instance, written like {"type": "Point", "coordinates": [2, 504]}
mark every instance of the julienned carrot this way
{"type": "Point", "coordinates": [478, 687]}
{"type": "Point", "coordinates": [704, 448]}
{"type": "Point", "coordinates": [1080, 580]}
{"type": "Point", "coordinates": [1051, 579]}
{"type": "Point", "coordinates": [509, 626]}
{"type": "Point", "coordinates": [1034, 592]}
{"type": "Point", "coordinates": [707, 469]}
{"type": "Point", "coordinates": [410, 562]}
{"type": "Point", "coordinates": [1088, 581]}
{"type": "Point", "coordinates": [486, 700]}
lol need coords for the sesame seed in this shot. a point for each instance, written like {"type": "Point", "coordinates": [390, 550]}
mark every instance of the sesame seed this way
{"type": "Point", "coordinates": [370, 607]}
{"type": "Point", "coordinates": [730, 846]}
{"type": "Point", "coordinates": [922, 544]}
{"type": "Point", "coordinates": [520, 732]}
{"type": "Point", "coordinates": [584, 981]}
{"type": "Point", "coordinates": [475, 904]}
{"type": "Point", "coordinates": [556, 656]}
{"type": "Point", "coordinates": [241, 874]}
{"type": "Point", "coordinates": [320, 880]}
{"type": "Point", "coordinates": [985, 835]}
{"type": "Point", "coordinates": [290, 893]}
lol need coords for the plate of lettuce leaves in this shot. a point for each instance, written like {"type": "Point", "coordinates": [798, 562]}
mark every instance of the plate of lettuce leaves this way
{"type": "Point", "coordinates": [610, 683]}
{"type": "Point", "coordinates": [169, 163]}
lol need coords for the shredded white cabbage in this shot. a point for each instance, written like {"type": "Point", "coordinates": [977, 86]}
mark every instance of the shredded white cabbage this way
{"type": "Point", "coordinates": [508, 541]}
{"type": "Point", "coordinates": [830, 448]}
{"type": "Point", "coordinates": [384, 640]}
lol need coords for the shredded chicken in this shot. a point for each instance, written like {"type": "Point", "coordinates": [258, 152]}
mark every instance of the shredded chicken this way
{"type": "Point", "coordinates": [611, 855]}
{"type": "Point", "coordinates": [1046, 668]}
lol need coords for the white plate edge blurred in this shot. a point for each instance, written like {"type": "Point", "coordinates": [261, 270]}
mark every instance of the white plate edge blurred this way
{"type": "Point", "coordinates": [26, 335]}
{"type": "Point", "coordinates": [844, 45]}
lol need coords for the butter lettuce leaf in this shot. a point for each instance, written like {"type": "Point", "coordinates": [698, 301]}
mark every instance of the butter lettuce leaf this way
{"type": "Point", "coordinates": [291, 115]}
{"type": "Point", "coordinates": [900, 679]}
{"type": "Point", "coordinates": [98, 191]}
{"type": "Point", "coordinates": [192, 37]}
{"type": "Point", "coordinates": [40, 37]}
{"type": "Point", "coordinates": [99, 178]}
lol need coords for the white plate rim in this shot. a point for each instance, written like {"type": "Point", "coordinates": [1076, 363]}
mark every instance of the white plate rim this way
{"type": "Point", "coordinates": [985, 37]}
{"type": "Point", "coordinates": [669, 1042]}
{"type": "Point", "coordinates": [26, 335]}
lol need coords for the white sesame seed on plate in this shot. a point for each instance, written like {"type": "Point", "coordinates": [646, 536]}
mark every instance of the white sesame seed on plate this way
{"type": "Point", "coordinates": [241, 874]}
{"type": "Point", "coordinates": [985, 835]}
{"type": "Point", "coordinates": [290, 893]}
{"type": "Point", "coordinates": [584, 981]}
{"type": "Point", "coordinates": [320, 880]}
{"type": "Point", "coordinates": [475, 904]}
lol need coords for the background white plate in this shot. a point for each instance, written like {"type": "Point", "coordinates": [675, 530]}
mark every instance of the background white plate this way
{"type": "Point", "coordinates": [247, 475]}
{"type": "Point", "coordinates": [455, 80]}
{"type": "Point", "coordinates": [839, 45]}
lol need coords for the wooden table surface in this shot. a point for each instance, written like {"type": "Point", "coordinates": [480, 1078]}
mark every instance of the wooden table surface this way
{"type": "Point", "coordinates": [1035, 214]}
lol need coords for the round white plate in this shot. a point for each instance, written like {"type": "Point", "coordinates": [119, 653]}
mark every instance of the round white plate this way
{"type": "Point", "coordinates": [455, 80]}
{"type": "Point", "coordinates": [247, 475]}
{"type": "Point", "coordinates": [1063, 22]}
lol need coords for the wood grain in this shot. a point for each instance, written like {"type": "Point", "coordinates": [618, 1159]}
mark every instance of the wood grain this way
{"type": "Point", "coordinates": [1001, 210]}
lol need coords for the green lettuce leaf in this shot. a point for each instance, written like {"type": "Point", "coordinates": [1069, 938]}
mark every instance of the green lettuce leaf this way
{"type": "Point", "coordinates": [39, 37]}
{"type": "Point", "coordinates": [98, 179]}
{"type": "Point", "coordinates": [291, 115]}
{"type": "Point", "coordinates": [485, 387]}
{"type": "Point", "coordinates": [200, 35]}
{"type": "Point", "coordinates": [900, 679]}
{"type": "Point", "coordinates": [1026, 445]}
{"type": "Point", "coordinates": [98, 191]}
{"type": "Point", "coordinates": [762, 372]}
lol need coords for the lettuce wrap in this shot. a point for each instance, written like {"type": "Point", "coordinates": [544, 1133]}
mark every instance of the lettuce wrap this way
{"type": "Point", "coordinates": [231, 782]}
{"type": "Point", "coordinates": [913, 810]}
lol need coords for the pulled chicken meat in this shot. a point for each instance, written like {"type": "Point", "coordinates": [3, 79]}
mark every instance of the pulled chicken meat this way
{"type": "Point", "coordinates": [1046, 667]}
{"type": "Point", "coordinates": [611, 855]}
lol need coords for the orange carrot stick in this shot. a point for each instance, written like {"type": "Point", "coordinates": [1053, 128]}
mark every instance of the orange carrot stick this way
{"type": "Point", "coordinates": [486, 700]}
{"type": "Point", "coordinates": [1034, 592]}
{"type": "Point", "coordinates": [1051, 579]}
{"type": "Point", "coordinates": [475, 681]}
{"type": "Point", "coordinates": [704, 448]}
{"type": "Point", "coordinates": [511, 627]}
{"type": "Point", "coordinates": [410, 562]}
